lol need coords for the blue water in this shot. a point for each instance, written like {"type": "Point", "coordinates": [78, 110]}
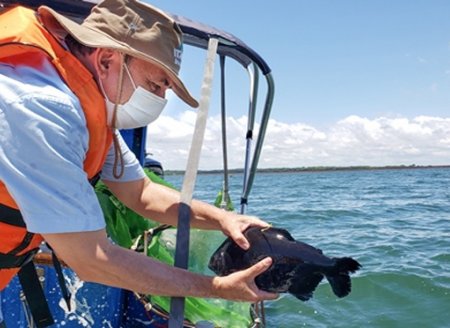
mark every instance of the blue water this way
{"type": "Point", "coordinates": [396, 223]}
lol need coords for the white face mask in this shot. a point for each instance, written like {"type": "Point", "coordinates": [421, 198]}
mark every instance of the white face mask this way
{"type": "Point", "coordinates": [140, 110]}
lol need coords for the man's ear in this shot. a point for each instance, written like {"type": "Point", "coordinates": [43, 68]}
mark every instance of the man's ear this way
{"type": "Point", "coordinates": [105, 60]}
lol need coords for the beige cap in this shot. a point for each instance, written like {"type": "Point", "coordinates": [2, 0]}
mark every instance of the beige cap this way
{"type": "Point", "coordinates": [131, 27]}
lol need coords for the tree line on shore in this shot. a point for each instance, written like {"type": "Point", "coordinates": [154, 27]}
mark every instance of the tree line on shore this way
{"type": "Point", "coordinates": [316, 169]}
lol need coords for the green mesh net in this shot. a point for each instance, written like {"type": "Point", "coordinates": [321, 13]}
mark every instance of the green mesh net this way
{"type": "Point", "coordinates": [124, 227]}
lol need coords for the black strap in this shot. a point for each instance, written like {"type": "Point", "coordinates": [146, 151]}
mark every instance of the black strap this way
{"type": "Point", "coordinates": [35, 297]}
{"type": "Point", "coordinates": [62, 283]}
{"type": "Point", "coordinates": [29, 280]}
{"type": "Point", "coordinates": [93, 181]}
{"type": "Point", "coordinates": [11, 216]}
{"type": "Point", "coordinates": [24, 244]}
{"type": "Point", "coordinates": [11, 261]}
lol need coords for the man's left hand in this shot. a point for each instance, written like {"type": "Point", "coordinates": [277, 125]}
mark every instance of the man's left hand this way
{"type": "Point", "coordinates": [233, 225]}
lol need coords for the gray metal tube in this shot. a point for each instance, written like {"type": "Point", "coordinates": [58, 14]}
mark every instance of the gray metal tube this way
{"type": "Point", "coordinates": [254, 84]}
{"type": "Point", "coordinates": [261, 134]}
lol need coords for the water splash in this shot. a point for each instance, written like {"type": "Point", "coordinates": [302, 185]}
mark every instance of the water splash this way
{"type": "Point", "coordinates": [80, 310]}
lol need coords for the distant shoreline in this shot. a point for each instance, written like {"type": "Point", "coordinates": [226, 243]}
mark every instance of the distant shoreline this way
{"type": "Point", "coordinates": [318, 169]}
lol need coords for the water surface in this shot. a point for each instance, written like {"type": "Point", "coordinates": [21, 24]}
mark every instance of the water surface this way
{"type": "Point", "coordinates": [396, 223]}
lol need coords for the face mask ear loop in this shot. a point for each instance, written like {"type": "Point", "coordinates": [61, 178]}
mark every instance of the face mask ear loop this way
{"type": "Point", "coordinates": [118, 156]}
{"type": "Point", "coordinates": [129, 75]}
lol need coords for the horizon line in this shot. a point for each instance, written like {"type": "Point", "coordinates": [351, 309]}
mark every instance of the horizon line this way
{"type": "Point", "coordinates": [314, 169]}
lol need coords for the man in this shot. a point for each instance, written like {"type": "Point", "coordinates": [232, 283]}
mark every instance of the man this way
{"type": "Point", "coordinates": [64, 89]}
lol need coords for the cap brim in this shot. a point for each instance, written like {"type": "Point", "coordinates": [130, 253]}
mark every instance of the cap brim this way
{"type": "Point", "coordinates": [60, 26]}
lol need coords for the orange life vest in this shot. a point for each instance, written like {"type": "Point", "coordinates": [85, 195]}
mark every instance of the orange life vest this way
{"type": "Point", "coordinates": [21, 38]}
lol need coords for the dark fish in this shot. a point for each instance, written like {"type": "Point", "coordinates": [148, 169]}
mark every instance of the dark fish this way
{"type": "Point", "coordinates": [297, 267]}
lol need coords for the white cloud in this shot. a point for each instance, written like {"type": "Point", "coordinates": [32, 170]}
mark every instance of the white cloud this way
{"type": "Point", "coordinates": [352, 141]}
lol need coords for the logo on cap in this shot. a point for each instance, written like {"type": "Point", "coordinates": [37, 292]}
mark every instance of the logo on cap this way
{"type": "Point", "coordinates": [132, 28]}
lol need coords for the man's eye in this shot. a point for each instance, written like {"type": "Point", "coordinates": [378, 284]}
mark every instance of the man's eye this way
{"type": "Point", "coordinates": [154, 86]}
{"type": "Point", "coordinates": [167, 84]}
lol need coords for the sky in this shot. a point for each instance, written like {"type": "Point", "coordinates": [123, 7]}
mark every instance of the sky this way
{"type": "Point", "coordinates": [356, 83]}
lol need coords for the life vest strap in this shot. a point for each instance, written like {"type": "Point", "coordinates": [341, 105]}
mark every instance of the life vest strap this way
{"type": "Point", "coordinates": [11, 216]}
{"type": "Point", "coordinates": [35, 296]}
{"type": "Point", "coordinates": [93, 181]}
{"type": "Point", "coordinates": [11, 261]}
{"type": "Point", "coordinates": [29, 280]}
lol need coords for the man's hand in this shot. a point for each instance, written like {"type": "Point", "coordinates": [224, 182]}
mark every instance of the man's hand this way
{"type": "Point", "coordinates": [240, 286]}
{"type": "Point", "coordinates": [233, 225]}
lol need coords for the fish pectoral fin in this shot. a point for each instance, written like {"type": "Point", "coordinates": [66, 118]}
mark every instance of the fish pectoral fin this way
{"type": "Point", "coordinates": [304, 282]}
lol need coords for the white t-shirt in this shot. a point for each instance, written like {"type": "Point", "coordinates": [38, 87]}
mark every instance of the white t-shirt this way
{"type": "Point", "coordinates": [43, 143]}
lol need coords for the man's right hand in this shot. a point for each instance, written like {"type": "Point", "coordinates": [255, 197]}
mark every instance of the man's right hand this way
{"type": "Point", "coordinates": [240, 286]}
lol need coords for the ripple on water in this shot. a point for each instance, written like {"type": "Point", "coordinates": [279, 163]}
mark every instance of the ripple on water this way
{"type": "Point", "coordinates": [401, 295]}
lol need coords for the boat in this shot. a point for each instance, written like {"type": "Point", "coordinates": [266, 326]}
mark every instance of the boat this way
{"type": "Point", "coordinates": [95, 305]}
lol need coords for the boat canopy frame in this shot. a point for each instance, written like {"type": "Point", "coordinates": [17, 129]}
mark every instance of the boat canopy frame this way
{"type": "Point", "coordinates": [197, 34]}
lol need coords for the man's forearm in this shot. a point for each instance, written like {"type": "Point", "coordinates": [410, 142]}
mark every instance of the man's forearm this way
{"type": "Point", "coordinates": [95, 259]}
{"type": "Point", "coordinates": [130, 270]}
{"type": "Point", "coordinates": [161, 203]}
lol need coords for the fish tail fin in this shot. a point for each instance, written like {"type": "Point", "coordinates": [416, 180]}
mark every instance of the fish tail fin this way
{"type": "Point", "coordinates": [340, 278]}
